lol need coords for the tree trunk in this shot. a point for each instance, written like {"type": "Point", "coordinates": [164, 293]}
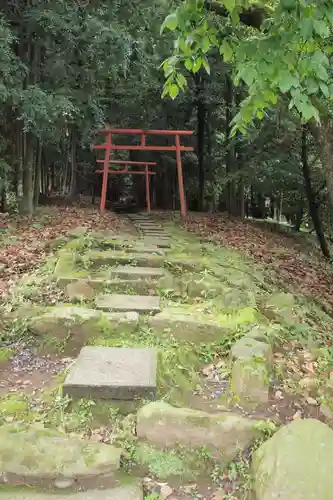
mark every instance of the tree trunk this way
{"type": "Point", "coordinates": [201, 118]}
{"type": "Point", "coordinates": [38, 173]}
{"type": "Point", "coordinates": [313, 207]}
{"type": "Point", "coordinates": [230, 144]}
{"type": "Point", "coordinates": [73, 185]}
{"type": "Point", "coordinates": [27, 200]}
{"type": "Point", "coordinates": [323, 134]}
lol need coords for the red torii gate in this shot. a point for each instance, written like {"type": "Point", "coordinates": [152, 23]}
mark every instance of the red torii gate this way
{"type": "Point", "coordinates": [108, 146]}
{"type": "Point", "coordinates": [126, 163]}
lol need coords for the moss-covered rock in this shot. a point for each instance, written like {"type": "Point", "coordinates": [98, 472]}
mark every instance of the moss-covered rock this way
{"type": "Point", "coordinates": [223, 434]}
{"type": "Point", "coordinates": [281, 307]}
{"type": "Point", "coordinates": [65, 264]}
{"type": "Point", "coordinates": [250, 373]}
{"type": "Point", "coordinates": [69, 328]}
{"type": "Point", "coordinates": [43, 458]}
{"type": "Point", "coordinates": [296, 463]}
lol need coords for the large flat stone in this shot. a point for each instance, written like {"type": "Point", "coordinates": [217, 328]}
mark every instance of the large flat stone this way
{"type": "Point", "coordinates": [120, 493]}
{"type": "Point", "coordinates": [186, 326]}
{"type": "Point", "coordinates": [113, 373]}
{"type": "Point", "coordinates": [138, 303]}
{"type": "Point", "coordinates": [132, 272]}
{"type": "Point", "coordinates": [36, 456]}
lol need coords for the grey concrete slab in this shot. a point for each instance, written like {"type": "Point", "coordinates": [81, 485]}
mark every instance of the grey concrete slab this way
{"type": "Point", "coordinates": [121, 493]}
{"type": "Point", "coordinates": [142, 304]}
{"type": "Point", "coordinates": [115, 373]}
{"type": "Point", "coordinates": [133, 272]}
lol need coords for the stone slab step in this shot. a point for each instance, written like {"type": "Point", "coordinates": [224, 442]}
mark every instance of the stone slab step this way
{"type": "Point", "coordinates": [137, 248]}
{"type": "Point", "coordinates": [139, 272]}
{"type": "Point", "coordinates": [186, 326]}
{"type": "Point", "coordinates": [143, 304]}
{"type": "Point", "coordinates": [160, 242]}
{"type": "Point", "coordinates": [121, 493]}
{"type": "Point", "coordinates": [115, 373]}
{"type": "Point", "coordinates": [110, 258]}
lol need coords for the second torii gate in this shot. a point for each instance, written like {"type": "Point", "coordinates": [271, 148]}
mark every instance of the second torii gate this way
{"type": "Point", "coordinates": [109, 146]}
{"type": "Point", "coordinates": [126, 163]}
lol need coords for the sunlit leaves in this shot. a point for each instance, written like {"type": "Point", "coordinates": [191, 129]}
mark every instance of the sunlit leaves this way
{"type": "Point", "coordinates": [290, 57]}
{"type": "Point", "coordinates": [170, 22]}
{"type": "Point", "coordinates": [226, 51]}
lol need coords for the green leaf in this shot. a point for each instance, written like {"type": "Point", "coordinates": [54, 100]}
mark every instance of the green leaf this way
{"type": "Point", "coordinates": [205, 44]}
{"type": "Point", "coordinates": [197, 64]}
{"type": "Point", "coordinates": [170, 22]}
{"type": "Point", "coordinates": [181, 81]}
{"type": "Point", "coordinates": [324, 88]}
{"type": "Point", "coordinates": [206, 65]}
{"type": "Point", "coordinates": [188, 64]}
{"type": "Point", "coordinates": [229, 4]}
{"type": "Point", "coordinates": [260, 114]}
{"type": "Point", "coordinates": [321, 72]}
{"type": "Point", "coordinates": [226, 51]}
{"type": "Point", "coordinates": [306, 28]}
{"type": "Point", "coordinates": [306, 110]}
{"type": "Point", "coordinates": [287, 82]}
{"type": "Point", "coordinates": [173, 91]}
{"type": "Point", "coordinates": [321, 27]}
{"type": "Point", "coordinates": [249, 75]}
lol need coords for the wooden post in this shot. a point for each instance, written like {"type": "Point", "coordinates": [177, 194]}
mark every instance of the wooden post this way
{"type": "Point", "coordinates": [180, 178]}
{"type": "Point", "coordinates": [147, 190]}
{"type": "Point", "coordinates": [106, 171]}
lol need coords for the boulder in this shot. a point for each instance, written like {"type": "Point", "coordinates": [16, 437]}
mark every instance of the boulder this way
{"type": "Point", "coordinates": [45, 458]}
{"type": "Point", "coordinates": [224, 434]}
{"type": "Point", "coordinates": [296, 463]}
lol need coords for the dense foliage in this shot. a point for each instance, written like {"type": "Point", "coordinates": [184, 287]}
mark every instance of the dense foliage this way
{"type": "Point", "coordinates": [254, 83]}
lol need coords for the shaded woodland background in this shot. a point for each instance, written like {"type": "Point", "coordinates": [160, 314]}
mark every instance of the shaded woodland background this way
{"type": "Point", "coordinates": [69, 67]}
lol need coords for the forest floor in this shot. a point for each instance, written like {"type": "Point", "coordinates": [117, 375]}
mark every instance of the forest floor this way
{"type": "Point", "coordinates": [253, 264]}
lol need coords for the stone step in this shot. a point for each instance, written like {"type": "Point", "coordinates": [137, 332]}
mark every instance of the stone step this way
{"type": "Point", "coordinates": [186, 326]}
{"type": "Point", "coordinates": [139, 286]}
{"type": "Point", "coordinates": [139, 272]}
{"type": "Point", "coordinates": [143, 304]}
{"type": "Point", "coordinates": [113, 373]}
{"type": "Point", "coordinates": [120, 493]}
{"type": "Point", "coordinates": [110, 258]}
{"type": "Point", "coordinates": [77, 325]}
{"type": "Point", "coordinates": [160, 242]}
{"type": "Point", "coordinates": [138, 248]}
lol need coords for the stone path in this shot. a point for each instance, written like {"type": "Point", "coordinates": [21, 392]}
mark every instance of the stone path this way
{"type": "Point", "coordinates": [118, 282]}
